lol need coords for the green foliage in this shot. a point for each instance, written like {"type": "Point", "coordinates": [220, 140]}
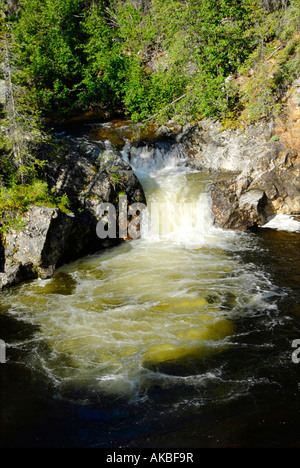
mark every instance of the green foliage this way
{"type": "Point", "coordinates": [167, 59]}
{"type": "Point", "coordinates": [20, 125]}
{"type": "Point", "coordinates": [16, 199]}
{"type": "Point", "coordinates": [49, 36]}
{"type": "Point", "coordinates": [176, 58]}
{"type": "Point", "coordinates": [274, 63]}
{"type": "Point", "coordinates": [103, 69]}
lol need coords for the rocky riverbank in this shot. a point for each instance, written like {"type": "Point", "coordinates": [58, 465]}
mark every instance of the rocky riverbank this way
{"type": "Point", "coordinates": [88, 175]}
{"type": "Point", "coordinates": [257, 167]}
{"type": "Point", "coordinates": [256, 171]}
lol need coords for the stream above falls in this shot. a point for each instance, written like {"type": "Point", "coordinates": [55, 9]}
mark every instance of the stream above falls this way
{"type": "Point", "coordinates": [182, 338]}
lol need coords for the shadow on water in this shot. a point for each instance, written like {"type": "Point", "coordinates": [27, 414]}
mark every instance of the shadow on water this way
{"type": "Point", "coordinates": [248, 396]}
{"type": "Point", "coordinates": [245, 396]}
{"type": "Point", "coordinates": [279, 257]}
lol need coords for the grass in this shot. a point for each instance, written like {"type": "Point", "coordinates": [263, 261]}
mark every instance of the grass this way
{"type": "Point", "coordinates": [16, 200]}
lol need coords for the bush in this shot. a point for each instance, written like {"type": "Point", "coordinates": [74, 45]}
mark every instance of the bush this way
{"type": "Point", "coordinates": [169, 58]}
{"type": "Point", "coordinates": [16, 199]}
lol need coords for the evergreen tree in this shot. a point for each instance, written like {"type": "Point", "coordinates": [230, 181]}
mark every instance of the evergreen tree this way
{"type": "Point", "coordinates": [153, 58]}
{"type": "Point", "coordinates": [49, 35]}
{"type": "Point", "coordinates": [21, 131]}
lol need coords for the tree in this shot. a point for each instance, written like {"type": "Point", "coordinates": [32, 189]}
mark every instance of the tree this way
{"type": "Point", "coordinates": [104, 63]}
{"type": "Point", "coordinates": [21, 127]}
{"type": "Point", "coordinates": [49, 36]}
{"type": "Point", "coordinates": [147, 57]}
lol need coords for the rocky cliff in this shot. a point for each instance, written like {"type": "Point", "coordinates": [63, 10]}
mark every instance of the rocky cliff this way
{"type": "Point", "coordinates": [256, 175]}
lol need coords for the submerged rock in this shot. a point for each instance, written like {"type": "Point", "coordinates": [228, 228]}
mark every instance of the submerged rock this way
{"type": "Point", "coordinates": [193, 345]}
{"type": "Point", "coordinates": [89, 175]}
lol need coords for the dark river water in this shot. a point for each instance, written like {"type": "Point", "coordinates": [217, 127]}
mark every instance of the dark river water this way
{"type": "Point", "coordinates": [176, 342]}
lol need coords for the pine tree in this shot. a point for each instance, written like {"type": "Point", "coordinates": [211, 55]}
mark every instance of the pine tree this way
{"type": "Point", "coordinates": [20, 125]}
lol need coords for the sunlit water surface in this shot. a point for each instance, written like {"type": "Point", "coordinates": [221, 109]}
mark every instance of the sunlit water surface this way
{"type": "Point", "coordinates": [160, 319]}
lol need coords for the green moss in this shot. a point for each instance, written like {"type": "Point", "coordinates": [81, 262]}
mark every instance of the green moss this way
{"type": "Point", "coordinates": [274, 138]}
{"type": "Point", "coordinates": [16, 199]}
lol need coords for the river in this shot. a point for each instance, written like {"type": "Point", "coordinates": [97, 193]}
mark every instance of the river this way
{"type": "Point", "coordinates": [181, 338]}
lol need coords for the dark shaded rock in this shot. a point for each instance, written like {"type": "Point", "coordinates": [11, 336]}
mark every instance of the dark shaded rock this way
{"type": "Point", "coordinates": [2, 256]}
{"type": "Point", "coordinates": [89, 176]}
{"type": "Point", "coordinates": [251, 209]}
{"type": "Point", "coordinates": [87, 172]}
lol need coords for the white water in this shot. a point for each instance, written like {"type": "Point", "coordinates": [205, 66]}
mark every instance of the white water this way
{"type": "Point", "coordinates": [112, 322]}
{"type": "Point", "coordinates": [174, 214]}
{"type": "Point", "coordinates": [283, 222]}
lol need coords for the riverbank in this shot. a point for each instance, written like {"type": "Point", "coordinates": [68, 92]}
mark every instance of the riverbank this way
{"type": "Point", "coordinates": [254, 171]}
{"type": "Point", "coordinates": [176, 341]}
{"type": "Point", "coordinates": [87, 175]}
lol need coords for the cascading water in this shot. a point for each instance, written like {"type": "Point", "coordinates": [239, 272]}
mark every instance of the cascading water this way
{"type": "Point", "coordinates": [146, 313]}
{"type": "Point", "coordinates": [178, 205]}
{"type": "Point", "coordinates": [181, 338]}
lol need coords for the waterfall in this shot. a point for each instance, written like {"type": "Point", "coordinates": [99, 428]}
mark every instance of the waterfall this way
{"type": "Point", "coordinates": [154, 156]}
{"type": "Point", "coordinates": [116, 321]}
{"type": "Point", "coordinates": [177, 211]}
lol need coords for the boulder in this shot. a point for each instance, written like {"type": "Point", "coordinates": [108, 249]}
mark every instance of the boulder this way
{"type": "Point", "coordinates": [89, 175]}
{"type": "Point", "coordinates": [49, 238]}
{"type": "Point", "coordinates": [89, 172]}
{"type": "Point", "coordinates": [251, 209]}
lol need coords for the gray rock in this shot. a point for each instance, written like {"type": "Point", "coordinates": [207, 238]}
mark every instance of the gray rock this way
{"type": "Point", "coordinates": [251, 198]}
{"type": "Point", "coordinates": [260, 173]}
{"type": "Point", "coordinates": [51, 237]}
{"type": "Point", "coordinates": [252, 209]}
{"type": "Point", "coordinates": [238, 151]}
{"type": "Point", "coordinates": [3, 91]}
{"type": "Point", "coordinates": [84, 174]}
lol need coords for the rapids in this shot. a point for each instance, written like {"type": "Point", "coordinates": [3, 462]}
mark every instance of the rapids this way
{"type": "Point", "coordinates": [116, 321]}
{"type": "Point", "coordinates": [179, 318]}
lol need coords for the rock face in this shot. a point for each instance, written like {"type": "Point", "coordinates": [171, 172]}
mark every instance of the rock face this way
{"type": "Point", "coordinates": [47, 239]}
{"type": "Point", "coordinates": [287, 125]}
{"type": "Point", "coordinates": [3, 91]}
{"type": "Point", "coordinates": [258, 167]}
{"type": "Point", "coordinates": [251, 209]}
{"type": "Point", "coordinates": [89, 175]}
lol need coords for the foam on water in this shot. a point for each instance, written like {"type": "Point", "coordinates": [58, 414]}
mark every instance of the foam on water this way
{"type": "Point", "coordinates": [283, 222]}
{"type": "Point", "coordinates": [112, 321]}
